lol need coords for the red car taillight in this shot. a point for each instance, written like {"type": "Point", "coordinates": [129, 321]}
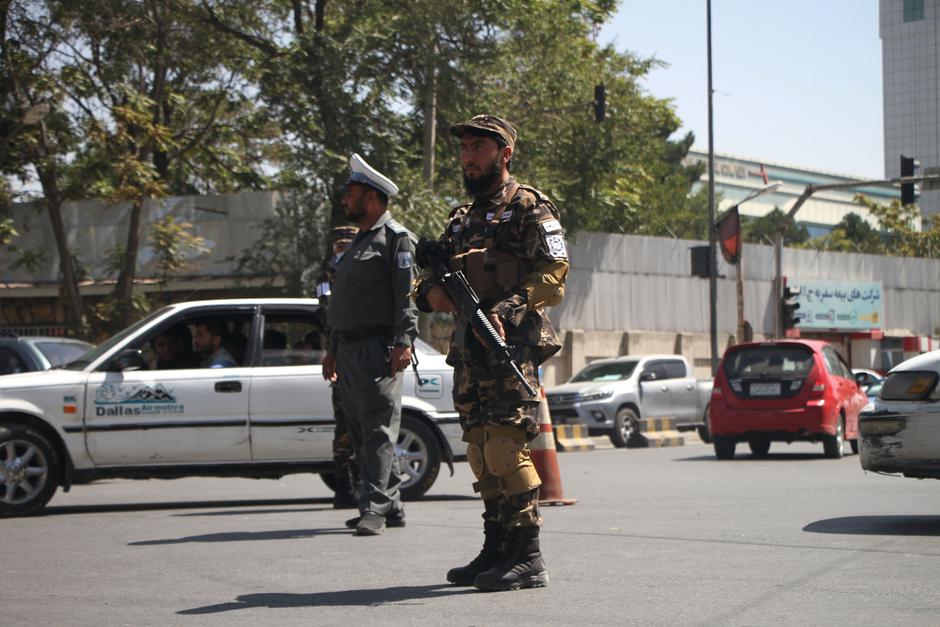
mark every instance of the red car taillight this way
{"type": "Point", "coordinates": [818, 390]}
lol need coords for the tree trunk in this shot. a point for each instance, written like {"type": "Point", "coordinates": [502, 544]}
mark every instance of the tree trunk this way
{"type": "Point", "coordinates": [69, 288]}
{"type": "Point", "coordinates": [124, 290]}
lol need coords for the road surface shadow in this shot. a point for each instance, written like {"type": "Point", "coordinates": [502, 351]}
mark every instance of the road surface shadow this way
{"type": "Point", "coordinates": [878, 525]}
{"type": "Point", "coordinates": [408, 595]}
{"type": "Point", "coordinates": [60, 510]}
{"type": "Point", "coordinates": [246, 536]}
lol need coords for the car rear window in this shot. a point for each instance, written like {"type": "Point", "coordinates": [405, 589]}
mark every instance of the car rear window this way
{"type": "Point", "coordinates": [768, 361]}
{"type": "Point", "coordinates": [609, 371]}
{"type": "Point", "coordinates": [59, 353]}
{"type": "Point", "coordinates": [908, 385]}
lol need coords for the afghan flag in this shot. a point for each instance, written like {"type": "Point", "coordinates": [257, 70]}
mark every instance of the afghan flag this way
{"type": "Point", "coordinates": [729, 235]}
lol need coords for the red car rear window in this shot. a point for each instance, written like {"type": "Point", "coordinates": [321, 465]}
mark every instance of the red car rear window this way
{"type": "Point", "coordinates": [769, 361]}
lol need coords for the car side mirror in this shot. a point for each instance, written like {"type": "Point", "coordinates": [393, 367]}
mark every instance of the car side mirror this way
{"type": "Point", "coordinates": [648, 376]}
{"type": "Point", "coordinates": [128, 360]}
{"type": "Point", "coordinates": [860, 378]}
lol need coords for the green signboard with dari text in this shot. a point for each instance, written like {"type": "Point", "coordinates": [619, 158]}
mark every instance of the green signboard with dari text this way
{"type": "Point", "coordinates": [836, 305]}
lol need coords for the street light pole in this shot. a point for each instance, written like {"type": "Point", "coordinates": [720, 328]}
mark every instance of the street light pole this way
{"type": "Point", "coordinates": [741, 333]}
{"type": "Point", "coordinates": [712, 260]}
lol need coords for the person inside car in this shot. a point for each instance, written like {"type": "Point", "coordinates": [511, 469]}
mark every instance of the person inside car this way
{"type": "Point", "coordinates": [173, 349]}
{"type": "Point", "coordinates": [208, 342]}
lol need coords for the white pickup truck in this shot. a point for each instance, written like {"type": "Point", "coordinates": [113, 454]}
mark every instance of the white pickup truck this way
{"type": "Point", "coordinates": [609, 395]}
{"type": "Point", "coordinates": [115, 413]}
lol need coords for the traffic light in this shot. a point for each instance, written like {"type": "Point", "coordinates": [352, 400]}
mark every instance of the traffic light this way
{"type": "Point", "coordinates": [788, 307]}
{"type": "Point", "coordinates": [910, 192]}
{"type": "Point", "coordinates": [600, 103]}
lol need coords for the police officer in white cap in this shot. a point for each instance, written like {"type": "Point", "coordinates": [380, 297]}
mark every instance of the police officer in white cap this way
{"type": "Point", "coordinates": [374, 323]}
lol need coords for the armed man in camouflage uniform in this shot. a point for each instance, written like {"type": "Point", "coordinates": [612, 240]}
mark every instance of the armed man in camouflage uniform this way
{"type": "Point", "coordinates": [511, 246]}
{"type": "Point", "coordinates": [346, 475]}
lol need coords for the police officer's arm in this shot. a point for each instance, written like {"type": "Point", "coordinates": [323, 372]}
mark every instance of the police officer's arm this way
{"type": "Point", "coordinates": [547, 253]}
{"type": "Point", "coordinates": [404, 314]}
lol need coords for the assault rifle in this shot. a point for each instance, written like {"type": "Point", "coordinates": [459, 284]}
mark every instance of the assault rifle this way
{"type": "Point", "coordinates": [433, 256]}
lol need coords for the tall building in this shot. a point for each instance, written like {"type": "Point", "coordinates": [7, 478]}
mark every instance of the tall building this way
{"type": "Point", "coordinates": [911, 79]}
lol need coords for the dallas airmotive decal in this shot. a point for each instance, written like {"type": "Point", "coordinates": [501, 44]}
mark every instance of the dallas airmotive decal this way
{"type": "Point", "coordinates": [135, 400]}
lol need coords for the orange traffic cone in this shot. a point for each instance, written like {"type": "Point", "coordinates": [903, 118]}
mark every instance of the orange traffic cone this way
{"type": "Point", "coordinates": [542, 450]}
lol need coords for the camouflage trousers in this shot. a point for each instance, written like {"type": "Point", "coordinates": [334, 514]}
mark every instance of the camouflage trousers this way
{"type": "Point", "coordinates": [499, 418]}
{"type": "Point", "coordinates": [344, 460]}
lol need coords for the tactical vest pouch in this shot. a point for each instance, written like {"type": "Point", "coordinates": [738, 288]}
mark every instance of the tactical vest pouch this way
{"type": "Point", "coordinates": [481, 279]}
{"type": "Point", "coordinates": [509, 271]}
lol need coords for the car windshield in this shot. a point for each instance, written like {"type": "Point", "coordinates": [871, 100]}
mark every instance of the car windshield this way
{"type": "Point", "coordinates": [59, 353]}
{"type": "Point", "coordinates": [607, 371]}
{"type": "Point", "coordinates": [112, 341]}
{"type": "Point", "coordinates": [769, 361]}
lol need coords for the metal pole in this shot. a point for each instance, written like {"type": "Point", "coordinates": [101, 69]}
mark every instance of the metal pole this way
{"type": "Point", "coordinates": [778, 284]}
{"type": "Point", "coordinates": [712, 261]}
{"type": "Point", "coordinates": [739, 293]}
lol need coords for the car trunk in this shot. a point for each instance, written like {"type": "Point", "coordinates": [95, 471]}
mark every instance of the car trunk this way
{"type": "Point", "coordinates": [779, 376]}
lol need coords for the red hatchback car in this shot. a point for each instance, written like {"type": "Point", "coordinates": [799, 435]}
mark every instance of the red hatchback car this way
{"type": "Point", "coordinates": [783, 391]}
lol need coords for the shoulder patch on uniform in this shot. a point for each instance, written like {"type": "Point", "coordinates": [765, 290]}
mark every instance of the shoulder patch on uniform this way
{"type": "Point", "coordinates": [404, 259]}
{"type": "Point", "coordinates": [550, 226]}
{"type": "Point", "coordinates": [396, 227]}
{"type": "Point", "coordinates": [556, 246]}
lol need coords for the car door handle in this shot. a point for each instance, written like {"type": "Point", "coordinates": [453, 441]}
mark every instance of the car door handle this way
{"type": "Point", "coordinates": [664, 389]}
{"type": "Point", "coordinates": [228, 386]}
{"type": "Point", "coordinates": [689, 387]}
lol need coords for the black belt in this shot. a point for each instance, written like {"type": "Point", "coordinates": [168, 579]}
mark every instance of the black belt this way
{"type": "Point", "coordinates": [358, 335]}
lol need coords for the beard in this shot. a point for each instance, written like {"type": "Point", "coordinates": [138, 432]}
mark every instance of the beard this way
{"type": "Point", "coordinates": [355, 212]}
{"type": "Point", "coordinates": [484, 181]}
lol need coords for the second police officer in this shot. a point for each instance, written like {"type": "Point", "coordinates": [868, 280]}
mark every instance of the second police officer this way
{"type": "Point", "coordinates": [511, 246]}
{"type": "Point", "coordinates": [346, 475]}
{"type": "Point", "coordinates": [373, 324]}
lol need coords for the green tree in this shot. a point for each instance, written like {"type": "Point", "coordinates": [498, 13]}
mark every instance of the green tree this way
{"type": "Point", "coordinates": [851, 234]}
{"type": "Point", "coordinates": [765, 228]}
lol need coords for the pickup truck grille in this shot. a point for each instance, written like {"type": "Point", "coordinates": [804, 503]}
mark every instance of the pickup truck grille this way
{"type": "Point", "coordinates": [563, 399]}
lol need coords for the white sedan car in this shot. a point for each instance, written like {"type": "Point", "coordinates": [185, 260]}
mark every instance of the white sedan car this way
{"type": "Point", "coordinates": [900, 430]}
{"type": "Point", "coordinates": [116, 412]}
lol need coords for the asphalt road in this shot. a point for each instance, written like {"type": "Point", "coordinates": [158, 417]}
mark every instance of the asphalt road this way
{"type": "Point", "coordinates": [664, 537]}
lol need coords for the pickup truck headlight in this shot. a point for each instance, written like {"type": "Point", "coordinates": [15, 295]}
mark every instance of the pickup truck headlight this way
{"type": "Point", "coordinates": [596, 396]}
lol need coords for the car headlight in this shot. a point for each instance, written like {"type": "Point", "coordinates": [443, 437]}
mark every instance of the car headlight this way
{"type": "Point", "coordinates": [596, 396]}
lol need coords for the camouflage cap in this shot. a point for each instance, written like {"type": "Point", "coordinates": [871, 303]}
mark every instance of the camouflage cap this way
{"type": "Point", "coordinates": [489, 124]}
{"type": "Point", "coordinates": [343, 234]}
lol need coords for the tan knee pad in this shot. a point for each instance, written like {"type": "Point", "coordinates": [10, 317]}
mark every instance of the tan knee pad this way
{"type": "Point", "coordinates": [475, 459]}
{"type": "Point", "coordinates": [507, 457]}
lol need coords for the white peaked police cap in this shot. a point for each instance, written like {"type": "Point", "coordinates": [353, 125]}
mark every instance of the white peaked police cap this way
{"type": "Point", "coordinates": [365, 174]}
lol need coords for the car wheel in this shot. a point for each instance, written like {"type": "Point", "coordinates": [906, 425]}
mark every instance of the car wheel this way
{"type": "Point", "coordinates": [624, 422]}
{"type": "Point", "coordinates": [724, 447]}
{"type": "Point", "coordinates": [834, 445]}
{"type": "Point", "coordinates": [419, 457]}
{"type": "Point", "coordinates": [703, 431]}
{"type": "Point", "coordinates": [854, 445]}
{"type": "Point", "coordinates": [29, 471]}
{"type": "Point", "coordinates": [759, 446]}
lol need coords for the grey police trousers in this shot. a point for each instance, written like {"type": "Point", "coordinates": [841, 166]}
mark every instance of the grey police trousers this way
{"type": "Point", "coordinates": [372, 401]}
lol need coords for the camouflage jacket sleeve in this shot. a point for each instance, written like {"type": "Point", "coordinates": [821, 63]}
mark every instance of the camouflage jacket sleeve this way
{"type": "Point", "coordinates": [542, 242]}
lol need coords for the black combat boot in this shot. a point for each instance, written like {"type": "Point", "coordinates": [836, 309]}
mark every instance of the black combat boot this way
{"type": "Point", "coordinates": [523, 566]}
{"type": "Point", "coordinates": [493, 537]}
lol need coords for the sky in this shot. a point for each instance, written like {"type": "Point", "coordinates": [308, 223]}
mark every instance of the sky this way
{"type": "Point", "coordinates": [797, 83]}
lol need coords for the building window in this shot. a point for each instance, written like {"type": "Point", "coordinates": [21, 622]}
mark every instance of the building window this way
{"type": "Point", "coordinates": [913, 10]}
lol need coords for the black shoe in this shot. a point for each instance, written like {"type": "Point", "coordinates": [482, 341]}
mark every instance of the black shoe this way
{"type": "Point", "coordinates": [370, 524]}
{"type": "Point", "coordinates": [393, 519]}
{"type": "Point", "coordinates": [489, 556]}
{"type": "Point", "coordinates": [522, 568]}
